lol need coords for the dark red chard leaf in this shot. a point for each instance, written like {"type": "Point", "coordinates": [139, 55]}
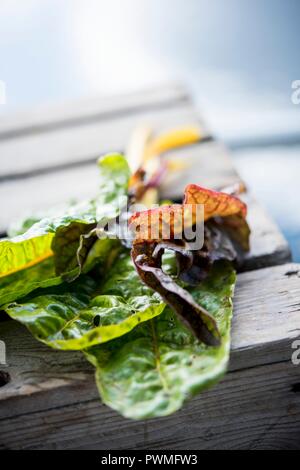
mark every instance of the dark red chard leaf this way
{"type": "Point", "coordinates": [238, 230]}
{"type": "Point", "coordinates": [149, 268]}
{"type": "Point", "coordinates": [226, 235]}
{"type": "Point", "coordinates": [182, 250]}
{"type": "Point", "coordinates": [193, 266]}
{"type": "Point", "coordinates": [218, 244]}
{"type": "Point", "coordinates": [197, 271]}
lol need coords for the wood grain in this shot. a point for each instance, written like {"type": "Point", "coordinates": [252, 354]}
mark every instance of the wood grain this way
{"type": "Point", "coordinates": [65, 146]}
{"type": "Point", "coordinates": [47, 158]}
{"type": "Point", "coordinates": [56, 163]}
{"type": "Point", "coordinates": [268, 247]}
{"type": "Point", "coordinates": [87, 110]}
{"type": "Point", "coordinates": [252, 409]}
{"type": "Point", "coordinates": [52, 402]}
{"type": "Point", "coordinates": [208, 164]}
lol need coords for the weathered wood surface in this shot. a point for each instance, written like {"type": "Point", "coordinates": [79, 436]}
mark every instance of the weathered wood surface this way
{"type": "Point", "coordinates": [49, 118]}
{"type": "Point", "coordinates": [252, 409]}
{"type": "Point", "coordinates": [268, 245]}
{"type": "Point", "coordinates": [207, 164]}
{"type": "Point", "coordinates": [84, 141]}
{"type": "Point", "coordinates": [52, 401]}
{"type": "Point", "coordinates": [40, 152]}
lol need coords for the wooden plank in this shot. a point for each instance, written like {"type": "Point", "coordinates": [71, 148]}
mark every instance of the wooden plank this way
{"type": "Point", "coordinates": [254, 409]}
{"type": "Point", "coordinates": [209, 165]}
{"type": "Point", "coordinates": [30, 195]}
{"type": "Point", "coordinates": [40, 152]}
{"type": "Point", "coordinates": [51, 401]}
{"type": "Point", "coordinates": [268, 247]}
{"type": "Point", "coordinates": [74, 113]}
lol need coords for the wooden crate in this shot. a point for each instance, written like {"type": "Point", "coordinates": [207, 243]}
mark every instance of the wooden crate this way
{"type": "Point", "coordinates": [51, 401]}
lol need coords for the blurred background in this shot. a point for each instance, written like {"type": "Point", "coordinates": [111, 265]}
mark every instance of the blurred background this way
{"type": "Point", "coordinates": [238, 57]}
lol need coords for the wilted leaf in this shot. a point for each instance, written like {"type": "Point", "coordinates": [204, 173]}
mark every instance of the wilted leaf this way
{"type": "Point", "coordinates": [168, 222]}
{"type": "Point", "coordinates": [238, 230]}
{"type": "Point", "coordinates": [229, 210]}
{"type": "Point", "coordinates": [162, 223]}
{"type": "Point", "coordinates": [226, 232]}
{"type": "Point", "coordinates": [194, 266]}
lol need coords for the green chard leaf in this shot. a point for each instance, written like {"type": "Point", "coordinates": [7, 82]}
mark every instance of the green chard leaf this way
{"type": "Point", "coordinates": [84, 313]}
{"type": "Point", "coordinates": [62, 235]}
{"type": "Point", "coordinates": [152, 370]}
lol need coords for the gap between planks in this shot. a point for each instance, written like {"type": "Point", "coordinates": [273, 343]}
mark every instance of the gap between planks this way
{"type": "Point", "coordinates": [88, 110]}
{"type": "Point", "coordinates": [73, 145]}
